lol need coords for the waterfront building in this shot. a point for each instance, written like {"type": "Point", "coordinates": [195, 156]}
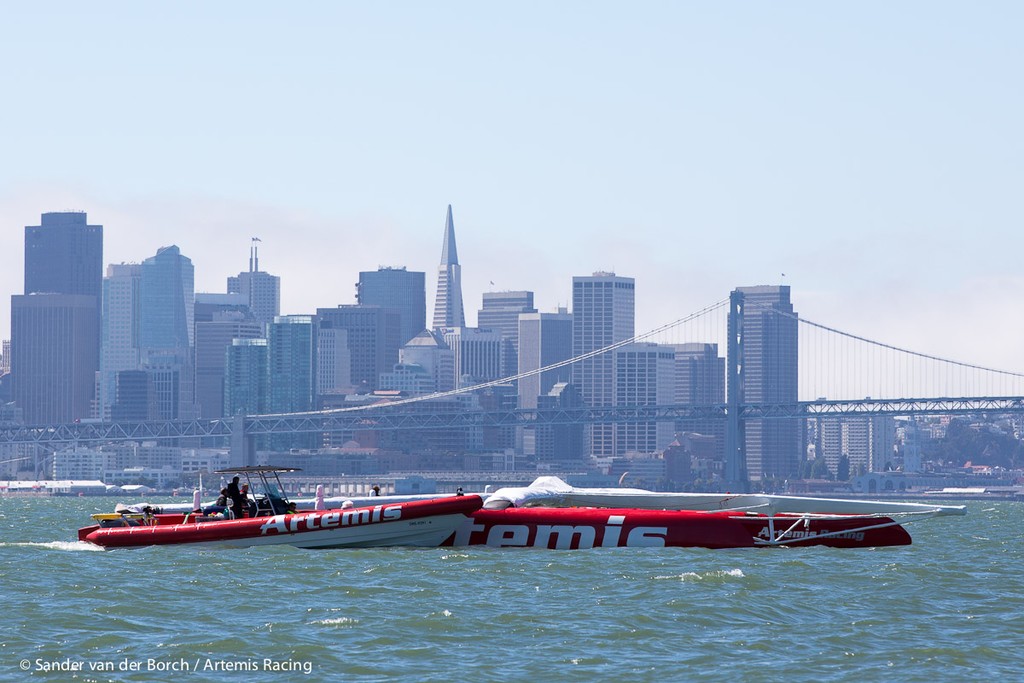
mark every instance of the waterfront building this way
{"type": "Point", "coordinates": [500, 312]}
{"type": "Point", "coordinates": [261, 290]}
{"type": "Point", "coordinates": [373, 340]}
{"type": "Point", "coordinates": [603, 311]}
{"type": "Point", "coordinates": [867, 442]}
{"type": "Point", "coordinates": [448, 310]}
{"type": "Point", "coordinates": [645, 375]}
{"type": "Point", "coordinates": [401, 290]}
{"type": "Point", "coordinates": [770, 376]}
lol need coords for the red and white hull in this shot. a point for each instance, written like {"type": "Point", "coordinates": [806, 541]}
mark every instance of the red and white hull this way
{"type": "Point", "coordinates": [421, 523]}
{"type": "Point", "coordinates": [580, 528]}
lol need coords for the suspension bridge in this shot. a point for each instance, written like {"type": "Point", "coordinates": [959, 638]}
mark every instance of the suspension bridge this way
{"type": "Point", "coordinates": [837, 374]}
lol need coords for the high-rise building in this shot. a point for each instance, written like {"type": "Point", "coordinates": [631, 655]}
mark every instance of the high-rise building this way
{"type": "Point", "coordinates": [213, 340]}
{"type": "Point", "coordinates": [644, 376]}
{"type": "Point", "coordinates": [867, 442]}
{"type": "Point", "coordinates": [373, 340]}
{"type": "Point", "coordinates": [770, 346]}
{"type": "Point", "coordinates": [603, 313]}
{"type": "Point", "coordinates": [700, 381]}
{"type": "Point", "coordinates": [293, 374]}
{"type": "Point", "coordinates": [333, 362]}
{"type": "Point", "coordinates": [448, 311]}
{"type": "Point", "coordinates": [119, 342]}
{"type": "Point", "coordinates": [261, 290]}
{"type": "Point", "coordinates": [247, 378]}
{"type": "Point", "coordinates": [399, 289]}
{"type": "Point", "coordinates": [544, 339]}
{"type": "Point", "coordinates": [562, 443]}
{"type": "Point", "coordinates": [64, 255]}
{"type": "Point", "coordinates": [53, 356]}
{"type": "Point", "coordinates": [477, 354]}
{"type": "Point", "coordinates": [500, 312]}
{"type": "Point", "coordinates": [63, 272]}
{"type": "Point", "coordinates": [5, 356]}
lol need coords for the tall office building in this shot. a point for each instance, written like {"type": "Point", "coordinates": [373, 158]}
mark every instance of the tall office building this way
{"type": "Point", "coordinates": [247, 378]}
{"type": "Point", "coordinates": [64, 255]}
{"type": "Point", "coordinates": [477, 354]}
{"type": "Point", "coordinates": [560, 443]}
{"type": "Point", "coordinates": [867, 442]}
{"type": "Point", "coordinates": [119, 342]}
{"type": "Point", "coordinates": [373, 340]}
{"type": "Point", "coordinates": [398, 289]}
{"type": "Point", "coordinates": [645, 375]}
{"type": "Point", "coordinates": [5, 356]}
{"type": "Point", "coordinates": [63, 258]}
{"type": "Point", "coordinates": [448, 311]}
{"type": "Point", "coordinates": [261, 290]}
{"type": "Point", "coordinates": [544, 339]}
{"type": "Point", "coordinates": [500, 312]}
{"type": "Point", "coordinates": [770, 352]}
{"type": "Point", "coordinates": [53, 356]}
{"type": "Point", "coordinates": [166, 332]}
{"type": "Point", "coordinates": [333, 362]}
{"type": "Point", "coordinates": [700, 381]}
{"type": "Point", "coordinates": [293, 374]}
{"type": "Point", "coordinates": [603, 313]}
{"type": "Point", "coordinates": [213, 340]}
{"type": "Point", "coordinates": [429, 351]}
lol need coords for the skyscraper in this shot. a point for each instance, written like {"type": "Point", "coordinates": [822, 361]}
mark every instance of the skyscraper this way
{"type": "Point", "coordinates": [167, 306]}
{"type": "Point", "coordinates": [373, 334]}
{"type": "Point", "coordinates": [55, 326]}
{"type": "Point", "coordinates": [119, 342]}
{"type": "Point", "coordinates": [477, 354]}
{"type": "Point", "coordinates": [603, 310]}
{"type": "Point", "coordinates": [213, 341]}
{"type": "Point", "coordinates": [544, 339]}
{"type": "Point", "coordinates": [293, 374]}
{"type": "Point", "coordinates": [700, 381]}
{"type": "Point", "coordinates": [262, 290]}
{"type": "Point", "coordinates": [399, 289]}
{"type": "Point", "coordinates": [770, 341]}
{"type": "Point", "coordinates": [247, 378]}
{"type": "Point", "coordinates": [644, 376]}
{"type": "Point", "coordinates": [448, 311]}
{"type": "Point", "coordinates": [500, 312]}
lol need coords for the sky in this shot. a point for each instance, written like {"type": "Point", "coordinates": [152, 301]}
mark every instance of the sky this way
{"type": "Point", "coordinates": [869, 155]}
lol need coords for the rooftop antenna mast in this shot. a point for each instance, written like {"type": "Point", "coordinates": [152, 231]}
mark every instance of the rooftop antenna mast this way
{"type": "Point", "coordinates": [254, 257]}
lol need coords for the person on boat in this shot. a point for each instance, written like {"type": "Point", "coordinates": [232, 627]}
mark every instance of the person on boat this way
{"type": "Point", "coordinates": [220, 505]}
{"type": "Point", "coordinates": [290, 509]}
{"type": "Point", "coordinates": [376, 490]}
{"type": "Point", "coordinates": [235, 494]}
{"type": "Point", "coordinates": [222, 499]}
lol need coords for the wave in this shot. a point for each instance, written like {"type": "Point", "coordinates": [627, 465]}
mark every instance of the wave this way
{"type": "Point", "coordinates": [70, 546]}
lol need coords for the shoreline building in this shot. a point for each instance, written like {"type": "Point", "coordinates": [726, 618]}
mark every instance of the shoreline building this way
{"type": "Point", "coordinates": [603, 313]}
{"type": "Point", "coordinates": [448, 311]}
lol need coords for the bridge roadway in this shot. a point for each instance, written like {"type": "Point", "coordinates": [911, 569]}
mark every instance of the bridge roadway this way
{"type": "Point", "coordinates": [443, 417]}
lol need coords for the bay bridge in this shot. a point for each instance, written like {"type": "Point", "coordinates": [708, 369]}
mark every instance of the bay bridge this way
{"type": "Point", "coordinates": [840, 374]}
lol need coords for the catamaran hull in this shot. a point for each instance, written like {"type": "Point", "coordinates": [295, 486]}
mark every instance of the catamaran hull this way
{"type": "Point", "coordinates": [581, 528]}
{"type": "Point", "coordinates": [422, 523]}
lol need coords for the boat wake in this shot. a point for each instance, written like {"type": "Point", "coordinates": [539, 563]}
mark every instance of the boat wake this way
{"type": "Point", "coordinates": [70, 546]}
{"type": "Point", "coordinates": [703, 576]}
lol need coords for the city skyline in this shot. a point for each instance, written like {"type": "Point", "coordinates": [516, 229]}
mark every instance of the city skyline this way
{"type": "Point", "coordinates": [694, 148]}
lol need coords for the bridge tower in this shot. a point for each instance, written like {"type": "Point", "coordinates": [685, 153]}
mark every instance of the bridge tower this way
{"type": "Point", "coordinates": [735, 436]}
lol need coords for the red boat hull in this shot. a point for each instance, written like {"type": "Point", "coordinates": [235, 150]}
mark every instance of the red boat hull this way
{"type": "Point", "coordinates": [425, 522]}
{"type": "Point", "coordinates": [576, 528]}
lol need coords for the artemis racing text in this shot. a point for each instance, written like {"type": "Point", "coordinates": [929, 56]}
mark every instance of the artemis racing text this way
{"type": "Point", "coordinates": [315, 521]}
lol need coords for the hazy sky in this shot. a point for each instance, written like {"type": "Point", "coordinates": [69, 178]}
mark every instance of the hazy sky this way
{"type": "Point", "coordinates": [872, 152]}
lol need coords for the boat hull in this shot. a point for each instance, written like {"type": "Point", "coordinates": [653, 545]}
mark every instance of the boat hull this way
{"type": "Point", "coordinates": [422, 523]}
{"type": "Point", "coordinates": [581, 528]}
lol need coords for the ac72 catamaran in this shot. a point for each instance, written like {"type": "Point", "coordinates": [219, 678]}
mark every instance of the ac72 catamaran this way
{"type": "Point", "coordinates": [547, 514]}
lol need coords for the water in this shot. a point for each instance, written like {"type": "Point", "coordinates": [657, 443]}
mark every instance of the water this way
{"type": "Point", "coordinates": [948, 608]}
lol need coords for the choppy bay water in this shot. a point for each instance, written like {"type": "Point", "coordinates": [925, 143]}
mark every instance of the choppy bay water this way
{"type": "Point", "coordinates": [948, 608]}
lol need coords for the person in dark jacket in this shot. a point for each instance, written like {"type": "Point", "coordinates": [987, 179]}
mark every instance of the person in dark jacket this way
{"type": "Point", "coordinates": [237, 500]}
